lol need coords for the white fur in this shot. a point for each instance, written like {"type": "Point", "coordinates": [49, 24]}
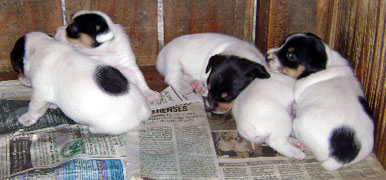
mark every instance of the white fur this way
{"type": "Point", "coordinates": [183, 60]}
{"type": "Point", "coordinates": [62, 76]}
{"type": "Point", "coordinates": [327, 100]}
{"type": "Point", "coordinates": [263, 114]}
{"type": "Point", "coordinates": [115, 50]}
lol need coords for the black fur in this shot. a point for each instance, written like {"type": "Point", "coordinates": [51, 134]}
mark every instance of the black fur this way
{"type": "Point", "coordinates": [90, 24]}
{"type": "Point", "coordinates": [111, 80]}
{"type": "Point", "coordinates": [365, 106]}
{"type": "Point", "coordinates": [343, 144]}
{"type": "Point", "coordinates": [231, 74]}
{"type": "Point", "coordinates": [309, 51]}
{"type": "Point", "coordinates": [17, 55]}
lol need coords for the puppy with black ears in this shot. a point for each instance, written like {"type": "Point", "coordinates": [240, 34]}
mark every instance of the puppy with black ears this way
{"type": "Point", "coordinates": [94, 34]}
{"type": "Point", "coordinates": [86, 90]}
{"type": "Point", "coordinates": [218, 65]}
{"type": "Point", "coordinates": [332, 115]}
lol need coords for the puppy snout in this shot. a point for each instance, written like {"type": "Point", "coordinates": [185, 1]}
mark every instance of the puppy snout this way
{"type": "Point", "coordinates": [208, 104]}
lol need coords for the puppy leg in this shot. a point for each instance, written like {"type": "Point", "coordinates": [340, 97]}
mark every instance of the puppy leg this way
{"type": "Point", "coordinates": [284, 147]}
{"type": "Point", "coordinates": [136, 76]}
{"type": "Point", "coordinates": [36, 109]}
{"type": "Point", "coordinates": [199, 88]}
{"type": "Point", "coordinates": [180, 82]}
{"type": "Point", "coordinates": [196, 85]}
{"type": "Point", "coordinates": [296, 143]}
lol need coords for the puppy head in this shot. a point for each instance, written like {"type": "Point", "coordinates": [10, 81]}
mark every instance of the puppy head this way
{"type": "Point", "coordinates": [87, 29]}
{"type": "Point", "coordinates": [300, 55]}
{"type": "Point", "coordinates": [228, 76]}
{"type": "Point", "coordinates": [21, 53]}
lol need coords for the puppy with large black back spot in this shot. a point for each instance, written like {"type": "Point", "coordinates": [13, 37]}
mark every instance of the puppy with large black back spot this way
{"type": "Point", "coordinates": [87, 91]}
{"type": "Point", "coordinates": [94, 34]}
{"type": "Point", "coordinates": [217, 65]}
{"type": "Point", "coordinates": [332, 115]}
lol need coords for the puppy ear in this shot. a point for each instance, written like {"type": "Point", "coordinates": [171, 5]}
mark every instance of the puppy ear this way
{"type": "Point", "coordinates": [72, 30]}
{"type": "Point", "coordinates": [104, 37]}
{"type": "Point", "coordinates": [214, 60]}
{"type": "Point", "coordinates": [17, 55]}
{"type": "Point", "coordinates": [258, 71]}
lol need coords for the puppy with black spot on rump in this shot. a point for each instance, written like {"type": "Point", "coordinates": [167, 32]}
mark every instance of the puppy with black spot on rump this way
{"type": "Point", "coordinates": [94, 34]}
{"type": "Point", "coordinates": [218, 65]}
{"type": "Point", "coordinates": [332, 115]}
{"type": "Point", "coordinates": [86, 90]}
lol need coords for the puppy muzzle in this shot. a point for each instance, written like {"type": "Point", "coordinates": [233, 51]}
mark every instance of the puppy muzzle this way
{"type": "Point", "coordinates": [273, 61]}
{"type": "Point", "coordinates": [217, 107]}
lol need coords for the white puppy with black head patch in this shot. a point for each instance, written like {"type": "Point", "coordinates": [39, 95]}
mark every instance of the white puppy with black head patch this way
{"type": "Point", "coordinates": [263, 114]}
{"type": "Point", "coordinates": [332, 115]}
{"type": "Point", "coordinates": [93, 33]}
{"type": "Point", "coordinates": [223, 64]}
{"type": "Point", "coordinates": [87, 91]}
{"type": "Point", "coordinates": [234, 70]}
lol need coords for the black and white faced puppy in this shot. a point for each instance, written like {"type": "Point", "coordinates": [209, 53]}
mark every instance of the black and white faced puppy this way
{"type": "Point", "coordinates": [218, 65]}
{"type": "Point", "coordinates": [94, 33]}
{"type": "Point", "coordinates": [87, 91]}
{"type": "Point", "coordinates": [332, 116]}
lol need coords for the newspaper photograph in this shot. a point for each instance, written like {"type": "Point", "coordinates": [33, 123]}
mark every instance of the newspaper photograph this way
{"type": "Point", "coordinates": [180, 141]}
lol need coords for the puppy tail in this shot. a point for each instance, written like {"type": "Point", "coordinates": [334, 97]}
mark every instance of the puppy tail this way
{"type": "Point", "coordinates": [331, 164]}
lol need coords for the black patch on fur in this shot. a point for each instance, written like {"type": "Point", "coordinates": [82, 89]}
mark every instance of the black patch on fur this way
{"type": "Point", "coordinates": [308, 51]}
{"type": "Point", "coordinates": [90, 24]}
{"type": "Point", "coordinates": [365, 106]}
{"type": "Point", "coordinates": [231, 74]}
{"type": "Point", "coordinates": [17, 55]}
{"type": "Point", "coordinates": [343, 144]}
{"type": "Point", "coordinates": [111, 80]}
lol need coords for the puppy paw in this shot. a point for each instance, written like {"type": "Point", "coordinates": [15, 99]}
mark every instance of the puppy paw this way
{"type": "Point", "coordinates": [298, 155]}
{"type": "Point", "coordinates": [152, 95]}
{"type": "Point", "coordinates": [297, 143]}
{"type": "Point", "coordinates": [196, 85]}
{"type": "Point", "coordinates": [24, 81]}
{"type": "Point", "coordinates": [26, 119]}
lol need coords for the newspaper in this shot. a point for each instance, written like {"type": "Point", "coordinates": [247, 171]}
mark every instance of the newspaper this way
{"type": "Point", "coordinates": [180, 141]}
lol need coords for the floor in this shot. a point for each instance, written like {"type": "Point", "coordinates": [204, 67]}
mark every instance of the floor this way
{"type": "Point", "coordinates": [153, 78]}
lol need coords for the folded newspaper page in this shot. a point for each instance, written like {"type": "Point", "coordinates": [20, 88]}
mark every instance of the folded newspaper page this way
{"type": "Point", "coordinates": [180, 141]}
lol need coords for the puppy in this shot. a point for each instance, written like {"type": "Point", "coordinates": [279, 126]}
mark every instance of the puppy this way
{"type": "Point", "coordinates": [87, 91]}
{"type": "Point", "coordinates": [219, 65]}
{"type": "Point", "coordinates": [332, 115]}
{"type": "Point", "coordinates": [263, 114]}
{"type": "Point", "coordinates": [94, 34]}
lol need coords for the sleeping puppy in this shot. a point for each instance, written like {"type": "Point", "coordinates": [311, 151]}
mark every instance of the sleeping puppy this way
{"type": "Point", "coordinates": [263, 114]}
{"type": "Point", "coordinates": [87, 91]}
{"type": "Point", "coordinates": [332, 115]}
{"type": "Point", "coordinates": [93, 33]}
{"type": "Point", "coordinates": [218, 65]}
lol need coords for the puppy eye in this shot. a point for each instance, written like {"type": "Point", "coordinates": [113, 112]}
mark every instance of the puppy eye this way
{"type": "Point", "coordinates": [224, 95]}
{"type": "Point", "coordinates": [291, 56]}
